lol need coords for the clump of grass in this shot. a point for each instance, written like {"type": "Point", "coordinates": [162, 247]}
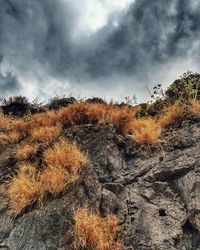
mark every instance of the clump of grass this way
{"type": "Point", "coordinates": [10, 137]}
{"type": "Point", "coordinates": [63, 163]}
{"type": "Point", "coordinates": [121, 116]}
{"type": "Point", "coordinates": [4, 122]}
{"type": "Point", "coordinates": [24, 188]}
{"type": "Point", "coordinates": [47, 119]}
{"type": "Point", "coordinates": [34, 122]}
{"type": "Point", "coordinates": [170, 114]}
{"type": "Point", "coordinates": [20, 125]}
{"type": "Point", "coordinates": [195, 108]}
{"type": "Point", "coordinates": [24, 152]}
{"type": "Point", "coordinates": [81, 113]}
{"type": "Point", "coordinates": [55, 179]}
{"type": "Point", "coordinates": [94, 113]}
{"type": "Point", "coordinates": [94, 232]}
{"type": "Point", "coordinates": [47, 134]}
{"type": "Point", "coordinates": [65, 155]}
{"type": "Point", "coordinates": [144, 130]}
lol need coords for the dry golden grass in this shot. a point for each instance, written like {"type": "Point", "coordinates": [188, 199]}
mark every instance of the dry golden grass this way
{"type": "Point", "coordinates": [24, 189]}
{"type": "Point", "coordinates": [24, 152]}
{"type": "Point", "coordinates": [81, 113]}
{"type": "Point", "coordinates": [74, 114]}
{"type": "Point", "coordinates": [10, 137]}
{"type": "Point", "coordinates": [195, 106]}
{"type": "Point", "coordinates": [45, 119]}
{"type": "Point", "coordinates": [55, 180]}
{"type": "Point", "coordinates": [46, 135]}
{"type": "Point", "coordinates": [170, 114]}
{"type": "Point", "coordinates": [144, 130]}
{"type": "Point", "coordinates": [94, 232]}
{"type": "Point", "coordinates": [121, 116]}
{"type": "Point", "coordinates": [29, 185]}
{"type": "Point", "coordinates": [4, 122]}
{"type": "Point", "coordinates": [65, 155]}
{"type": "Point", "coordinates": [19, 125]}
{"type": "Point", "coordinates": [63, 161]}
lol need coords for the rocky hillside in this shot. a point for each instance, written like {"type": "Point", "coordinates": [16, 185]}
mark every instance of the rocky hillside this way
{"type": "Point", "coordinates": [120, 191]}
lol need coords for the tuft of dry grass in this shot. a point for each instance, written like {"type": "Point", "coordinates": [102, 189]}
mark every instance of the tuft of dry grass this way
{"type": "Point", "coordinates": [94, 232]}
{"type": "Point", "coordinates": [195, 106]}
{"type": "Point", "coordinates": [29, 185]}
{"type": "Point", "coordinates": [45, 119]}
{"type": "Point", "coordinates": [74, 114]}
{"type": "Point", "coordinates": [24, 152]}
{"type": "Point", "coordinates": [19, 125]}
{"type": "Point", "coordinates": [63, 161]}
{"type": "Point", "coordinates": [65, 155]}
{"type": "Point", "coordinates": [81, 113]}
{"type": "Point", "coordinates": [121, 116]}
{"type": "Point", "coordinates": [46, 135]}
{"type": "Point", "coordinates": [170, 114]}
{"type": "Point", "coordinates": [55, 180]}
{"type": "Point", "coordinates": [4, 122]}
{"type": "Point", "coordinates": [10, 137]}
{"type": "Point", "coordinates": [144, 130]}
{"type": "Point", "coordinates": [24, 188]}
{"type": "Point", "coordinates": [34, 122]}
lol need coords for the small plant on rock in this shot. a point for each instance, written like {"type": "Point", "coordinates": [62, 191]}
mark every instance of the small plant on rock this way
{"type": "Point", "coordinates": [94, 232]}
{"type": "Point", "coordinates": [65, 155]}
{"type": "Point", "coordinates": [24, 188]}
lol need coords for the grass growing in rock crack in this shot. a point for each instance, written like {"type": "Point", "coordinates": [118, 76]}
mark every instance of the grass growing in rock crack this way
{"type": "Point", "coordinates": [24, 188]}
{"type": "Point", "coordinates": [65, 155]}
{"type": "Point", "coordinates": [94, 232]}
{"type": "Point", "coordinates": [63, 164]}
{"type": "Point", "coordinates": [144, 130]}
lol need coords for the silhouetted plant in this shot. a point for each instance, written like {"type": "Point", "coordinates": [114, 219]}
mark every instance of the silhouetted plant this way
{"type": "Point", "coordinates": [17, 105]}
{"type": "Point", "coordinates": [131, 100]}
{"type": "Point", "coordinates": [18, 99]}
{"type": "Point", "coordinates": [95, 100]}
{"type": "Point", "coordinates": [158, 92]}
{"type": "Point", "coordinates": [59, 102]}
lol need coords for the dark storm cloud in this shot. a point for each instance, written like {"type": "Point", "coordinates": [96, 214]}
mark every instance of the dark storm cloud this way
{"type": "Point", "coordinates": [8, 82]}
{"type": "Point", "coordinates": [150, 32]}
{"type": "Point", "coordinates": [37, 35]}
{"type": "Point", "coordinates": [36, 31]}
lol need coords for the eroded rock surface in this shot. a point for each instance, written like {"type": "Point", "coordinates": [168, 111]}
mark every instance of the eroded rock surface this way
{"type": "Point", "coordinates": [154, 191]}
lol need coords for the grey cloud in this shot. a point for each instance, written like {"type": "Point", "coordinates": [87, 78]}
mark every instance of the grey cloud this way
{"type": "Point", "coordinates": [8, 83]}
{"type": "Point", "coordinates": [151, 32]}
{"type": "Point", "coordinates": [38, 34]}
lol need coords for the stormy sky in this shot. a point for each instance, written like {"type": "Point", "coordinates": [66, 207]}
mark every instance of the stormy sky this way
{"type": "Point", "coordinates": [106, 48]}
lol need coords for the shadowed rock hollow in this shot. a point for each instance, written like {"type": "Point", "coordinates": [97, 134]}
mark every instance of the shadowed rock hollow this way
{"type": "Point", "coordinates": [153, 190]}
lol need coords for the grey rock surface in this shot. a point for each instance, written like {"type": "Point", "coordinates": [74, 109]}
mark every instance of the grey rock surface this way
{"type": "Point", "coordinates": [154, 191]}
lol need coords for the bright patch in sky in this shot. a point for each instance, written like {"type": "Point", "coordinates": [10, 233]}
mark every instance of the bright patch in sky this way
{"type": "Point", "coordinates": [94, 14]}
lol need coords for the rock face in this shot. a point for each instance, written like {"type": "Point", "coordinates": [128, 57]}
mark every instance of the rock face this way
{"type": "Point", "coordinates": [154, 191]}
